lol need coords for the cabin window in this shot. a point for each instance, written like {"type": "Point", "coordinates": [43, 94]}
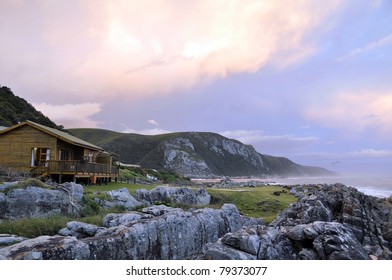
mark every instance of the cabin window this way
{"type": "Point", "coordinates": [39, 156]}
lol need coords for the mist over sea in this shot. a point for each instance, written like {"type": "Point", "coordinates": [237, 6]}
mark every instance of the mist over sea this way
{"type": "Point", "coordinates": [375, 186]}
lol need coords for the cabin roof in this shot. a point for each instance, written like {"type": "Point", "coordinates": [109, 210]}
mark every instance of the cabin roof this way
{"type": "Point", "coordinates": [56, 133]}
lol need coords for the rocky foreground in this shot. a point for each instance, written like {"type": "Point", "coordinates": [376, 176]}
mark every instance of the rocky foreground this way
{"type": "Point", "coordinates": [327, 222]}
{"type": "Point", "coordinates": [332, 222]}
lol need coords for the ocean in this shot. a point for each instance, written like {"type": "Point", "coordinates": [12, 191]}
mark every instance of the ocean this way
{"type": "Point", "coordinates": [375, 186]}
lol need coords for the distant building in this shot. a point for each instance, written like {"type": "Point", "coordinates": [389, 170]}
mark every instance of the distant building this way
{"type": "Point", "coordinates": [48, 152]}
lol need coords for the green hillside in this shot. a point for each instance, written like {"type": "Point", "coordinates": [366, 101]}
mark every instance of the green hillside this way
{"type": "Point", "coordinates": [14, 109]}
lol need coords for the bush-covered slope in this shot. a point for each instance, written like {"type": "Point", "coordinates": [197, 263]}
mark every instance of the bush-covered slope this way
{"type": "Point", "coordinates": [14, 109]}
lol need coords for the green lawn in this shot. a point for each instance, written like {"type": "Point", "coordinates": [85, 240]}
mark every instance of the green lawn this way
{"type": "Point", "coordinates": [256, 202]}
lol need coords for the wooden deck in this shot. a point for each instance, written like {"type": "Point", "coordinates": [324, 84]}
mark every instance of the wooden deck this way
{"type": "Point", "coordinates": [73, 167]}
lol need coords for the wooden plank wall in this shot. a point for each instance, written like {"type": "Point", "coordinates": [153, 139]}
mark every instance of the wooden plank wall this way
{"type": "Point", "coordinates": [16, 145]}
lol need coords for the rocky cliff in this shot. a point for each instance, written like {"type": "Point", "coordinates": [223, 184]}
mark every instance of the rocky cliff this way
{"type": "Point", "coordinates": [328, 222]}
{"type": "Point", "coordinates": [195, 154]}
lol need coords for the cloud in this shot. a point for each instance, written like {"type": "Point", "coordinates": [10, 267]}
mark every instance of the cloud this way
{"type": "Point", "coordinates": [71, 115]}
{"type": "Point", "coordinates": [272, 144]}
{"type": "Point", "coordinates": [387, 40]}
{"type": "Point", "coordinates": [135, 49]}
{"type": "Point", "coordinates": [367, 153]}
{"type": "Point", "coordinates": [153, 131]}
{"type": "Point", "coordinates": [153, 122]}
{"type": "Point", "coordinates": [354, 112]}
{"type": "Point", "coordinates": [370, 153]}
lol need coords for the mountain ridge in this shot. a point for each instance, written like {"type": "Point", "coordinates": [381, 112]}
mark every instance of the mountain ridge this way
{"type": "Point", "coordinates": [195, 154]}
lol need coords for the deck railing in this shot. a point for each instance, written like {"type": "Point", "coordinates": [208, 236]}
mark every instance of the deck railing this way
{"type": "Point", "coordinates": [74, 167]}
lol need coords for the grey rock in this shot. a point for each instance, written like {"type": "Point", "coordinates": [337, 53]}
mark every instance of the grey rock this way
{"type": "Point", "coordinates": [336, 243]}
{"type": "Point", "coordinates": [297, 233]}
{"type": "Point", "coordinates": [39, 202]}
{"type": "Point", "coordinates": [47, 247]}
{"type": "Point", "coordinates": [143, 195]}
{"type": "Point", "coordinates": [250, 221]}
{"type": "Point", "coordinates": [387, 231]}
{"type": "Point", "coordinates": [33, 256]}
{"type": "Point", "coordinates": [308, 254]}
{"type": "Point", "coordinates": [171, 234]}
{"type": "Point", "coordinates": [159, 210]}
{"type": "Point", "coordinates": [74, 190]}
{"type": "Point", "coordinates": [6, 185]}
{"type": "Point", "coordinates": [123, 198]}
{"type": "Point", "coordinates": [328, 222]}
{"type": "Point", "coordinates": [220, 251]}
{"type": "Point", "coordinates": [274, 245]}
{"type": "Point", "coordinates": [245, 240]}
{"type": "Point", "coordinates": [113, 220]}
{"type": "Point", "coordinates": [9, 239]}
{"type": "Point", "coordinates": [79, 229]}
{"type": "Point", "coordinates": [173, 195]}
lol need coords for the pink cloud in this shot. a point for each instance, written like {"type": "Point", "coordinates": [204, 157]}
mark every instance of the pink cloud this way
{"type": "Point", "coordinates": [354, 112]}
{"type": "Point", "coordinates": [71, 115]}
{"type": "Point", "coordinates": [135, 49]}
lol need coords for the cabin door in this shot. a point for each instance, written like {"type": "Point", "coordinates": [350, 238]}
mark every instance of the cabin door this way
{"type": "Point", "coordinates": [39, 156]}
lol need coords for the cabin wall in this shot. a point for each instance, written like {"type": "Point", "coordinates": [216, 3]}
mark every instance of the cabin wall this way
{"type": "Point", "coordinates": [16, 145]}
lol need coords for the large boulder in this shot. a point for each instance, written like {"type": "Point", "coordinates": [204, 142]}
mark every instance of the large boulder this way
{"type": "Point", "coordinates": [170, 233]}
{"type": "Point", "coordinates": [47, 247]}
{"type": "Point", "coordinates": [37, 202]}
{"type": "Point", "coordinates": [122, 198]}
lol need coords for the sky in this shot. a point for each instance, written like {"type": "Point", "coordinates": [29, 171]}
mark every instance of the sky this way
{"type": "Point", "coordinates": [310, 80]}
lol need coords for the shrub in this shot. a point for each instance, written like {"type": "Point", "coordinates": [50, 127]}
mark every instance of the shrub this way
{"type": "Point", "coordinates": [33, 227]}
{"type": "Point", "coordinates": [90, 207]}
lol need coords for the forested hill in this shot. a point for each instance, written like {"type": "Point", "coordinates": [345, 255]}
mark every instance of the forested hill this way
{"type": "Point", "coordinates": [14, 109]}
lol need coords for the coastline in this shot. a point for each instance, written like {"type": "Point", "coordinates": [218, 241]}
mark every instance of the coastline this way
{"type": "Point", "coordinates": [375, 186]}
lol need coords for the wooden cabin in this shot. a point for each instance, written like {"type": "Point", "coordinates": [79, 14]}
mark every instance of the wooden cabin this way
{"type": "Point", "coordinates": [47, 152]}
